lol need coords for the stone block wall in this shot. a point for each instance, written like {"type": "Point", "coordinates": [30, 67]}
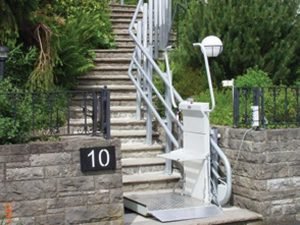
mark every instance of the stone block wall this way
{"type": "Point", "coordinates": [266, 172]}
{"type": "Point", "coordinates": [44, 184]}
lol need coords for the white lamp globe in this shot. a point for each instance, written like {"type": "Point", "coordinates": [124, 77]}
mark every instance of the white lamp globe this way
{"type": "Point", "coordinates": [213, 46]}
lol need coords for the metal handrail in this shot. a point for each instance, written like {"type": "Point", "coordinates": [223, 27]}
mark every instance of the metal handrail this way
{"type": "Point", "coordinates": [153, 65]}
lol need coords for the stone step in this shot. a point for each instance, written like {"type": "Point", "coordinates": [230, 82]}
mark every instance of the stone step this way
{"type": "Point", "coordinates": [117, 7]}
{"type": "Point", "coordinates": [132, 166]}
{"type": "Point", "coordinates": [111, 69]}
{"type": "Point", "coordinates": [127, 124]}
{"type": "Point", "coordinates": [141, 150]}
{"type": "Point", "coordinates": [80, 99]}
{"type": "Point", "coordinates": [115, 21]}
{"type": "Point", "coordinates": [149, 181]}
{"type": "Point", "coordinates": [120, 26]}
{"type": "Point", "coordinates": [128, 112]}
{"type": "Point", "coordinates": [111, 88]}
{"type": "Point", "coordinates": [124, 44]}
{"type": "Point", "coordinates": [123, 14]}
{"type": "Point", "coordinates": [114, 53]}
{"type": "Point", "coordinates": [116, 123]}
{"type": "Point", "coordinates": [104, 80]}
{"type": "Point", "coordinates": [132, 136]}
{"type": "Point", "coordinates": [125, 61]}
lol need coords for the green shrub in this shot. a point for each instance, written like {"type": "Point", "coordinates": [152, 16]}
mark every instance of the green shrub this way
{"type": "Point", "coordinates": [253, 78]}
{"type": "Point", "coordinates": [223, 112]}
{"type": "Point", "coordinates": [20, 64]}
{"type": "Point", "coordinates": [25, 114]}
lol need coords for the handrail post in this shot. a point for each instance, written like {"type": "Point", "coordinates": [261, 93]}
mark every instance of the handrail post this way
{"type": "Point", "coordinates": [149, 95]}
{"type": "Point", "coordinates": [168, 147]}
{"type": "Point", "coordinates": [139, 74]}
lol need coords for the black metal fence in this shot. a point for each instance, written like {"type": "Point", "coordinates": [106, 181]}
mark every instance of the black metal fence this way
{"type": "Point", "coordinates": [271, 107]}
{"type": "Point", "coordinates": [55, 113]}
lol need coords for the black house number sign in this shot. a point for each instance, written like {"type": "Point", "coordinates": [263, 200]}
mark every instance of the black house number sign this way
{"type": "Point", "coordinates": [98, 158]}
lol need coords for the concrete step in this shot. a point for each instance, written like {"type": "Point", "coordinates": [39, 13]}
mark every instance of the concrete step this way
{"type": "Point", "coordinates": [132, 136]}
{"type": "Point", "coordinates": [116, 123]}
{"type": "Point", "coordinates": [110, 69]}
{"type": "Point", "coordinates": [125, 44]}
{"type": "Point", "coordinates": [141, 150]}
{"type": "Point", "coordinates": [117, 7]}
{"type": "Point", "coordinates": [113, 88]}
{"type": "Point", "coordinates": [128, 112]}
{"type": "Point", "coordinates": [80, 99]}
{"type": "Point", "coordinates": [230, 216]}
{"type": "Point", "coordinates": [123, 100]}
{"type": "Point", "coordinates": [115, 21]}
{"type": "Point", "coordinates": [126, 14]}
{"type": "Point", "coordinates": [124, 61]}
{"type": "Point", "coordinates": [149, 181]}
{"type": "Point", "coordinates": [127, 124]}
{"type": "Point", "coordinates": [120, 26]}
{"type": "Point", "coordinates": [107, 80]}
{"type": "Point", "coordinates": [113, 53]}
{"type": "Point", "coordinates": [132, 166]}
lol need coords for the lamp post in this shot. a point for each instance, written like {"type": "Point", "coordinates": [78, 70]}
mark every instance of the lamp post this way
{"type": "Point", "coordinates": [210, 46]}
{"type": "Point", "coordinates": [3, 57]}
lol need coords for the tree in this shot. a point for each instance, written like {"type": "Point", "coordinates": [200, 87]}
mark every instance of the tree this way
{"type": "Point", "coordinates": [254, 33]}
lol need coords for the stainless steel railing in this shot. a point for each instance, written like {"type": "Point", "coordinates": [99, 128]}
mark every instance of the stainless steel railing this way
{"type": "Point", "coordinates": [150, 34]}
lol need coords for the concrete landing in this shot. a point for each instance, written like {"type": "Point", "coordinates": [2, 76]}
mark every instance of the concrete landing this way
{"type": "Point", "coordinates": [231, 216]}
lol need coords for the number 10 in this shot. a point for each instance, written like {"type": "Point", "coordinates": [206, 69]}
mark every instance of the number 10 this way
{"type": "Point", "coordinates": [102, 151]}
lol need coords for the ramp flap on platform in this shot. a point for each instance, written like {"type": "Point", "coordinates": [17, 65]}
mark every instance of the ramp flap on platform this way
{"type": "Point", "coordinates": [170, 215]}
{"type": "Point", "coordinates": [168, 207]}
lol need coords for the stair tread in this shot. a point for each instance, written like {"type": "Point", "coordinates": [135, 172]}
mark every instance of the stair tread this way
{"type": "Point", "coordinates": [149, 177]}
{"type": "Point", "coordinates": [105, 67]}
{"type": "Point", "coordinates": [126, 121]}
{"type": "Point", "coordinates": [132, 147]}
{"type": "Point", "coordinates": [104, 77]}
{"type": "Point", "coordinates": [125, 133]}
{"type": "Point", "coordinates": [112, 5]}
{"type": "Point", "coordinates": [112, 59]}
{"type": "Point", "coordinates": [114, 50]}
{"type": "Point", "coordinates": [109, 87]}
{"type": "Point", "coordinates": [123, 97]}
{"type": "Point", "coordinates": [142, 161]}
{"type": "Point", "coordinates": [113, 121]}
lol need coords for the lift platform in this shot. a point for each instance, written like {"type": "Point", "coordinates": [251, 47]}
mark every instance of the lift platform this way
{"type": "Point", "coordinates": [170, 206]}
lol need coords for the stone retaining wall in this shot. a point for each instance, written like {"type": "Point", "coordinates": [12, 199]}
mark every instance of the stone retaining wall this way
{"type": "Point", "coordinates": [267, 172]}
{"type": "Point", "coordinates": [44, 184]}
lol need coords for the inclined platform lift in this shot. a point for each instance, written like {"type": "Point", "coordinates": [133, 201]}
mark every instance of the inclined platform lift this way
{"type": "Point", "coordinates": [204, 192]}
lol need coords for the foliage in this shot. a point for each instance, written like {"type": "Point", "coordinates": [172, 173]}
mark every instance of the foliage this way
{"type": "Point", "coordinates": [15, 16]}
{"type": "Point", "coordinates": [253, 78]}
{"type": "Point", "coordinates": [260, 33]}
{"type": "Point", "coordinates": [223, 112]}
{"type": "Point", "coordinates": [20, 64]}
{"type": "Point", "coordinates": [22, 113]}
{"type": "Point", "coordinates": [47, 25]}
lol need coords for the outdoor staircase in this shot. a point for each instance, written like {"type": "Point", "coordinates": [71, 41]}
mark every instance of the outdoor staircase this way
{"type": "Point", "coordinates": [142, 169]}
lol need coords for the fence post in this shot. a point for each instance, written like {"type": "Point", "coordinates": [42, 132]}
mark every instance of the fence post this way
{"type": "Point", "coordinates": [105, 112]}
{"type": "Point", "coordinates": [236, 107]}
{"type": "Point", "coordinates": [94, 113]}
